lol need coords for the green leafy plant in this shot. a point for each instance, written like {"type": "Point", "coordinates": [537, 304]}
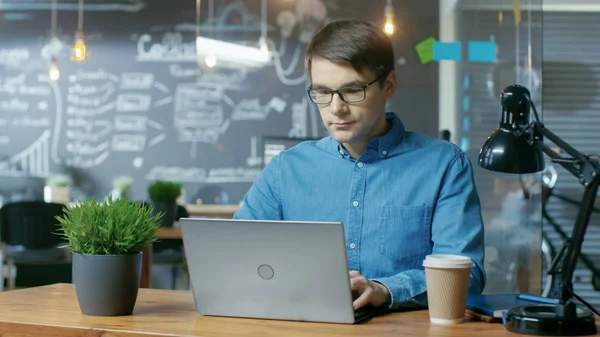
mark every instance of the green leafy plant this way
{"type": "Point", "coordinates": [164, 191]}
{"type": "Point", "coordinates": [59, 180]}
{"type": "Point", "coordinates": [116, 227]}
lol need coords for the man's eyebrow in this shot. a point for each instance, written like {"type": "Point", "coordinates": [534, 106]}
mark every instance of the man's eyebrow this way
{"type": "Point", "coordinates": [355, 83]}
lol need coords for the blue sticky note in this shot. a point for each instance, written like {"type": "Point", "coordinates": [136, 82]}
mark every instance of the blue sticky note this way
{"type": "Point", "coordinates": [465, 144]}
{"type": "Point", "coordinates": [466, 104]}
{"type": "Point", "coordinates": [466, 82]}
{"type": "Point", "coordinates": [466, 124]}
{"type": "Point", "coordinates": [446, 51]}
{"type": "Point", "coordinates": [482, 51]}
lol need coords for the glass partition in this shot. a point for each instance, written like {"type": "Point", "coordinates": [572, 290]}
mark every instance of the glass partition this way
{"type": "Point", "coordinates": [501, 45]}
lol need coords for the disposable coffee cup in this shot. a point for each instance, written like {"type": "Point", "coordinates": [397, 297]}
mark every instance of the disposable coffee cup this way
{"type": "Point", "coordinates": [447, 278]}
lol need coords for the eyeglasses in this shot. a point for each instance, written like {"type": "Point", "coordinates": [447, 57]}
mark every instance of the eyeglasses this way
{"type": "Point", "coordinates": [352, 94]}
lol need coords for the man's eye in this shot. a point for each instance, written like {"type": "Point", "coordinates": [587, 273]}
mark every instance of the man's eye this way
{"type": "Point", "coordinates": [322, 92]}
{"type": "Point", "coordinates": [352, 90]}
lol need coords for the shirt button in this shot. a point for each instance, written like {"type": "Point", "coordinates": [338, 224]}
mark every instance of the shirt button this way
{"type": "Point", "coordinates": [352, 246]}
{"type": "Point", "coordinates": [355, 203]}
{"type": "Point", "coordinates": [360, 164]}
{"type": "Point", "coordinates": [384, 153]}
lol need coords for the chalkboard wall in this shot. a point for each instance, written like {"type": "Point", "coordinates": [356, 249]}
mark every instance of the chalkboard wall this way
{"type": "Point", "coordinates": [142, 106]}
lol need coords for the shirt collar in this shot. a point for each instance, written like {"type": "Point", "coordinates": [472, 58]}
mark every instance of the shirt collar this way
{"type": "Point", "coordinates": [379, 147]}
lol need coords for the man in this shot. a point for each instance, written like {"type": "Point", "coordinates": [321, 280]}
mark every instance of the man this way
{"type": "Point", "coordinates": [399, 194]}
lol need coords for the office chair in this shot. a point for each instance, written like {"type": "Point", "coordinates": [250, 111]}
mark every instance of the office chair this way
{"type": "Point", "coordinates": [170, 251]}
{"type": "Point", "coordinates": [29, 234]}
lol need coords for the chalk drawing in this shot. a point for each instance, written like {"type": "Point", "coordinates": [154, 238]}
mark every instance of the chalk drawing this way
{"type": "Point", "coordinates": [71, 110]}
{"type": "Point", "coordinates": [34, 161]}
{"type": "Point", "coordinates": [13, 58]}
{"type": "Point", "coordinates": [207, 135]}
{"type": "Point", "coordinates": [29, 122]}
{"type": "Point", "coordinates": [85, 162]}
{"type": "Point", "coordinates": [250, 109]}
{"type": "Point", "coordinates": [133, 123]}
{"type": "Point", "coordinates": [138, 162]}
{"type": "Point", "coordinates": [299, 119]}
{"type": "Point", "coordinates": [157, 139]}
{"type": "Point", "coordinates": [161, 102]}
{"type": "Point", "coordinates": [178, 71]}
{"type": "Point", "coordinates": [133, 102]}
{"type": "Point", "coordinates": [93, 131]}
{"type": "Point", "coordinates": [137, 81]}
{"type": "Point", "coordinates": [155, 125]}
{"type": "Point", "coordinates": [95, 75]}
{"type": "Point", "coordinates": [171, 49]}
{"type": "Point", "coordinates": [162, 87]}
{"type": "Point", "coordinates": [254, 159]}
{"type": "Point", "coordinates": [87, 148]}
{"type": "Point", "coordinates": [14, 105]}
{"type": "Point", "coordinates": [128, 143]}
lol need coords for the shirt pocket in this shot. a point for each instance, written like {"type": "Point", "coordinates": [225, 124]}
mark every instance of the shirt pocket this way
{"type": "Point", "coordinates": [405, 233]}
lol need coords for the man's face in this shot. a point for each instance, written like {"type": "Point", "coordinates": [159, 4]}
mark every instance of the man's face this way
{"type": "Point", "coordinates": [357, 122]}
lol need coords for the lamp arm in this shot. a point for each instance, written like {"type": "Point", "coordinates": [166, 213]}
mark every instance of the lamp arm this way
{"type": "Point", "coordinates": [587, 170]}
{"type": "Point", "coordinates": [581, 166]}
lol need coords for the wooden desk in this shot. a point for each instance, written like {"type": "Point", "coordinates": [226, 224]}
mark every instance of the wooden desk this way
{"type": "Point", "coordinates": [53, 311]}
{"type": "Point", "coordinates": [219, 211]}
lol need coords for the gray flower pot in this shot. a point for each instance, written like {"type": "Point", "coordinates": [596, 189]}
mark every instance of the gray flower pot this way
{"type": "Point", "coordinates": [169, 212]}
{"type": "Point", "coordinates": [107, 285]}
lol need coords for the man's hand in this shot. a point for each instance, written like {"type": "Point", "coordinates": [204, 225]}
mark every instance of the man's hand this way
{"type": "Point", "coordinates": [367, 291]}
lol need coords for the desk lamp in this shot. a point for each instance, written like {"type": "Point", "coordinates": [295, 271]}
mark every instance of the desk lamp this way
{"type": "Point", "coordinates": [517, 146]}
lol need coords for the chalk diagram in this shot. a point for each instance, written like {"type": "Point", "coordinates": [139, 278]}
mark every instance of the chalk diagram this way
{"type": "Point", "coordinates": [107, 113]}
{"type": "Point", "coordinates": [24, 104]}
{"type": "Point", "coordinates": [203, 109]}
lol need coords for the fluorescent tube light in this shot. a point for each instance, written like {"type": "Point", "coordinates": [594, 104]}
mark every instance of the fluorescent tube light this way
{"type": "Point", "coordinates": [232, 54]}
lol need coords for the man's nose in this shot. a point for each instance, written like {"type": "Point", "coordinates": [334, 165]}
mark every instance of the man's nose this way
{"type": "Point", "coordinates": [337, 105]}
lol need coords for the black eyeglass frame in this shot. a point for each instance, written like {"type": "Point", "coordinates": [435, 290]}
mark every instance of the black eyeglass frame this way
{"type": "Point", "coordinates": [338, 91]}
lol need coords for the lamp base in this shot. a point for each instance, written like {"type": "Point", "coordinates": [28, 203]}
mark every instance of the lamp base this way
{"type": "Point", "coordinates": [542, 320]}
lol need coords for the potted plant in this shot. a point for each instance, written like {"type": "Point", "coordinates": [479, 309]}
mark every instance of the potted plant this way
{"type": "Point", "coordinates": [106, 240]}
{"type": "Point", "coordinates": [121, 187]}
{"type": "Point", "coordinates": [57, 189]}
{"type": "Point", "coordinates": [163, 196]}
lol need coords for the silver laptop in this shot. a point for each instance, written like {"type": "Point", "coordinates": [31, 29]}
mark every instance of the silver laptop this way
{"type": "Point", "coordinates": [286, 270]}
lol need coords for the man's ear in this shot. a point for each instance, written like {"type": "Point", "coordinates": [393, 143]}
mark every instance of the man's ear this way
{"type": "Point", "coordinates": [390, 84]}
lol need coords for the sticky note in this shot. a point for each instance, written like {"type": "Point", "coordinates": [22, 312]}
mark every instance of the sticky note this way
{"type": "Point", "coordinates": [482, 51]}
{"type": "Point", "coordinates": [446, 51]}
{"type": "Point", "coordinates": [466, 82]}
{"type": "Point", "coordinates": [466, 104]}
{"type": "Point", "coordinates": [425, 50]}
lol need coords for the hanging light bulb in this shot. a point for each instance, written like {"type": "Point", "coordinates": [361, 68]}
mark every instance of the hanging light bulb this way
{"type": "Point", "coordinates": [54, 72]}
{"type": "Point", "coordinates": [79, 50]}
{"type": "Point", "coordinates": [389, 18]}
{"type": "Point", "coordinates": [210, 60]}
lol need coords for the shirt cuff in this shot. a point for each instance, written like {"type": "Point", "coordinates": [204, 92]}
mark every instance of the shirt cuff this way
{"type": "Point", "coordinates": [402, 292]}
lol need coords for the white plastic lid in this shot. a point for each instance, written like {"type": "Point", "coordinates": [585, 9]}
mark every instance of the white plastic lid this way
{"type": "Point", "coordinates": [446, 261]}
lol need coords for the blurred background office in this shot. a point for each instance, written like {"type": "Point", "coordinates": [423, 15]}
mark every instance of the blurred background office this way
{"type": "Point", "coordinates": [102, 98]}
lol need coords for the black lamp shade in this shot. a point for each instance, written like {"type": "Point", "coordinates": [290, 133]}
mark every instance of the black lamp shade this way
{"type": "Point", "coordinates": [506, 152]}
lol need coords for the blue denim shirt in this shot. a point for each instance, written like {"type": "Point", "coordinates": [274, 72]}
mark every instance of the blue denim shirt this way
{"type": "Point", "coordinates": [407, 196]}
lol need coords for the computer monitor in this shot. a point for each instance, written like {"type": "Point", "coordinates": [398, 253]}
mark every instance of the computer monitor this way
{"type": "Point", "coordinates": [273, 145]}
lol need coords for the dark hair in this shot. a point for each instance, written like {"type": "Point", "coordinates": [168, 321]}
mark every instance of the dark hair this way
{"type": "Point", "coordinates": [355, 42]}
